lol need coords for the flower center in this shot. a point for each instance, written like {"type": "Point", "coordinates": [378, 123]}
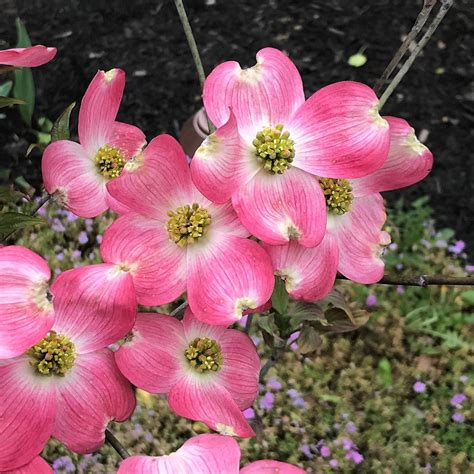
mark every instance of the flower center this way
{"type": "Point", "coordinates": [110, 161]}
{"type": "Point", "coordinates": [274, 149]}
{"type": "Point", "coordinates": [53, 355]}
{"type": "Point", "coordinates": [338, 194]}
{"type": "Point", "coordinates": [187, 224]}
{"type": "Point", "coordinates": [204, 354]}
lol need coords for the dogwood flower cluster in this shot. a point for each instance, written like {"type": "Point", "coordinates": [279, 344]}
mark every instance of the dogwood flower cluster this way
{"type": "Point", "coordinates": [285, 186]}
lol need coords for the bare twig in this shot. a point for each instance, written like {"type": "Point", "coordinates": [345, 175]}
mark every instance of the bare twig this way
{"type": "Point", "coordinates": [421, 280]}
{"type": "Point", "coordinates": [276, 354]}
{"type": "Point", "coordinates": [445, 6]}
{"type": "Point", "coordinates": [115, 443]}
{"type": "Point", "coordinates": [180, 309]}
{"type": "Point", "coordinates": [419, 23]}
{"type": "Point", "coordinates": [194, 50]}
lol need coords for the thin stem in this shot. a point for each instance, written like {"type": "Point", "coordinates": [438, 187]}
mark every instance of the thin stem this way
{"type": "Point", "coordinates": [421, 280]}
{"type": "Point", "coordinates": [194, 50]}
{"type": "Point", "coordinates": [418, 25]}
{"type": "Point", "coordinates": [276, 354]}
{"type": "Point", "coordinates": [248, 323]}
{"type": "Point", "coordinates": [44, 199]}
{"type": "Point", "coordinates": [179, 309]}
{"type": "Point", "coordinates": [115, 443]}
{"type": "Point", "coordinates": [445, 6]}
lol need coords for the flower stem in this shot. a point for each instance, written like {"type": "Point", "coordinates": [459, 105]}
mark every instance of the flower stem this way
{"type": "Point", "coordinates": [445, 6]}
{"type": "Point", "coordinates": [248, 323]}
{"type": "Point", "coordinates": [421, 280]}
{"type": "Point", "coordinates": [419, 23]}
{"type": "Point", "coordinates": [115, 443]}
{"type": "Point", "coordinates": [194, 51]}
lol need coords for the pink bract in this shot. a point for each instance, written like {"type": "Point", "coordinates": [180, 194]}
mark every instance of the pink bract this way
{"type": "Point", "coordinates": [336, 133]}
{"type": "Point", "coordinates": [354, 241]}
{"type": "Point", "coordinates": [154, 359]}
{"type": "Point", "coordinates": [71, 171]}
{"type": "Point", "coordinates": [27, 57]}
{"type": "Point", "coordinates": [37, 466]}
{"type": "Point", "coordinates": [94, 306]}
{"type": "Point", "coordinates": [26, 314]}
{"type": "Point", "coordinates": [223, 272]}
{"type": "Point", "coordinates": [204, 454]}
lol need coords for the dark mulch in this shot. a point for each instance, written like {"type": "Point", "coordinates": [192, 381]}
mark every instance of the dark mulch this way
{"type": "Point", "coordinates": [145, 39]}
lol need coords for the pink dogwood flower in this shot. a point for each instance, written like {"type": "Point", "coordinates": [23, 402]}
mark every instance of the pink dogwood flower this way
{"type": "Point", "coordinates": [271, 145]}
{"type": "Point", "coordinates": [67, 385]}
{"type": "Point", "coordinates": [26, 313]}
{"type": "Point", "coordinates": [175, 240]}
{"type": "Point", "coordinates": [204, 454]}
{"type": "Point", "coordinates": [37, 466]}
{"type": "Point", "coordinates": [209, 373]}
{"type": "Point", "coordinates": [27, 57]}
{"type": "Point", "coordinates": [77, 174]}
{"type": "Point", "coordinates": [354, 240]}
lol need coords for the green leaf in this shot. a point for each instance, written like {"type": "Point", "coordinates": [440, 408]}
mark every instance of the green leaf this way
{"type": "Point", "coordinates": [300, 311]}
{"type": "Point", "coordinates": [60, 130]}
{"type": "Point", "coordinates": [5, 88]}
{"type": "Point", "coordinates": [24, 87]}
{"type": "Point", "coordinates": [308, 340]}
{"type": "Point", "coordinates": [23, 40]}
{"type": "Point", "coordinates": [8, 194]}
{"type": "Point", "coordinates": [384, 372]}
{"type": "Point", "coordinates": [280, 297]}
{"type": "Point", "coordinates": [6, 101]}
{"type": "Point", "coordinates": [11, 221]}
{"type": "Point", "coordinates": [468, 297]}
{"type": "Point", "coordinates": [357, 60]}
{"type": "Point", "coordinates": [335, 299]}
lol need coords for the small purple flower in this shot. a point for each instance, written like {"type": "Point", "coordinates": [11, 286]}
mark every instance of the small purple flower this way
{"type": "Point", "coordinates": [76, 254]}
{"type": "Point", "coordinates": [57, 225]}
{"type": "Point", "coordinates": [99, 239]}
{"type": "Point", "coordinates": [83, 238]}
{"type": "Point", "coordinates": [148, 437]}
{"type": "Point", "coordinates": [457, 417]}
{"type": "Point", "coordinates": [458, 247]}
{"type": "Point", "coordinates": [371, 300]}
{"type": "Point", "coordinates": [71, 217]}
{"type": "Point", "coordinates": [63, 464]}
{"type": "Point", "coordinates": [350, 427]}
{"type": "Point", "coordinates": [400, 290]}
{"type": "Point", "coordinates": [266, 402]}
{"type": "Point", "coordinates": [425, 243]}
{"type": "Point", "coordinates": [334, 463]}
{"type": "Point", "coordinates": [427, 467]}
{"type": "Point", "coordinates": [458, 399]}
{"type": "Point", "coordinates": [393, 246]}
{"type": "Point", "coordinates": [306, 450]}
{"type": "Point", "coordinates": [137, 429]}
{"type": "Point", "coordinates": [256, 340]}
{"type": "Point", "coordinates": [419, 387]}
{"type": "Point", "coordinates": [298, 402]}
{"type": "Point", "coordinates": [249, 413]}
{"type": "Point", "coordinates": [463, 378]}
{"type": "Point", "coordinates": [60, 256]}
{"type": "Point", "coordinates": [88, 222]}
{"type": "Point", "coordinates": [470, 268]}
{"type": "Point", "coordinates": [41, 211]}
{"type": "Point", "coordinates": [292, 393]}
{"type": "Point", "coordinates": [325, 451]}
{"type": "Point", "coordinates": [347, 444]}
{"type": "Point", "coordinates": [441, 244]}
{"type": "Point", "coordinates": [399, 266]}
{"type": "Point", "coordinates": [354, 456]}
{"type": "Point", "coordinates": [273, 383]}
